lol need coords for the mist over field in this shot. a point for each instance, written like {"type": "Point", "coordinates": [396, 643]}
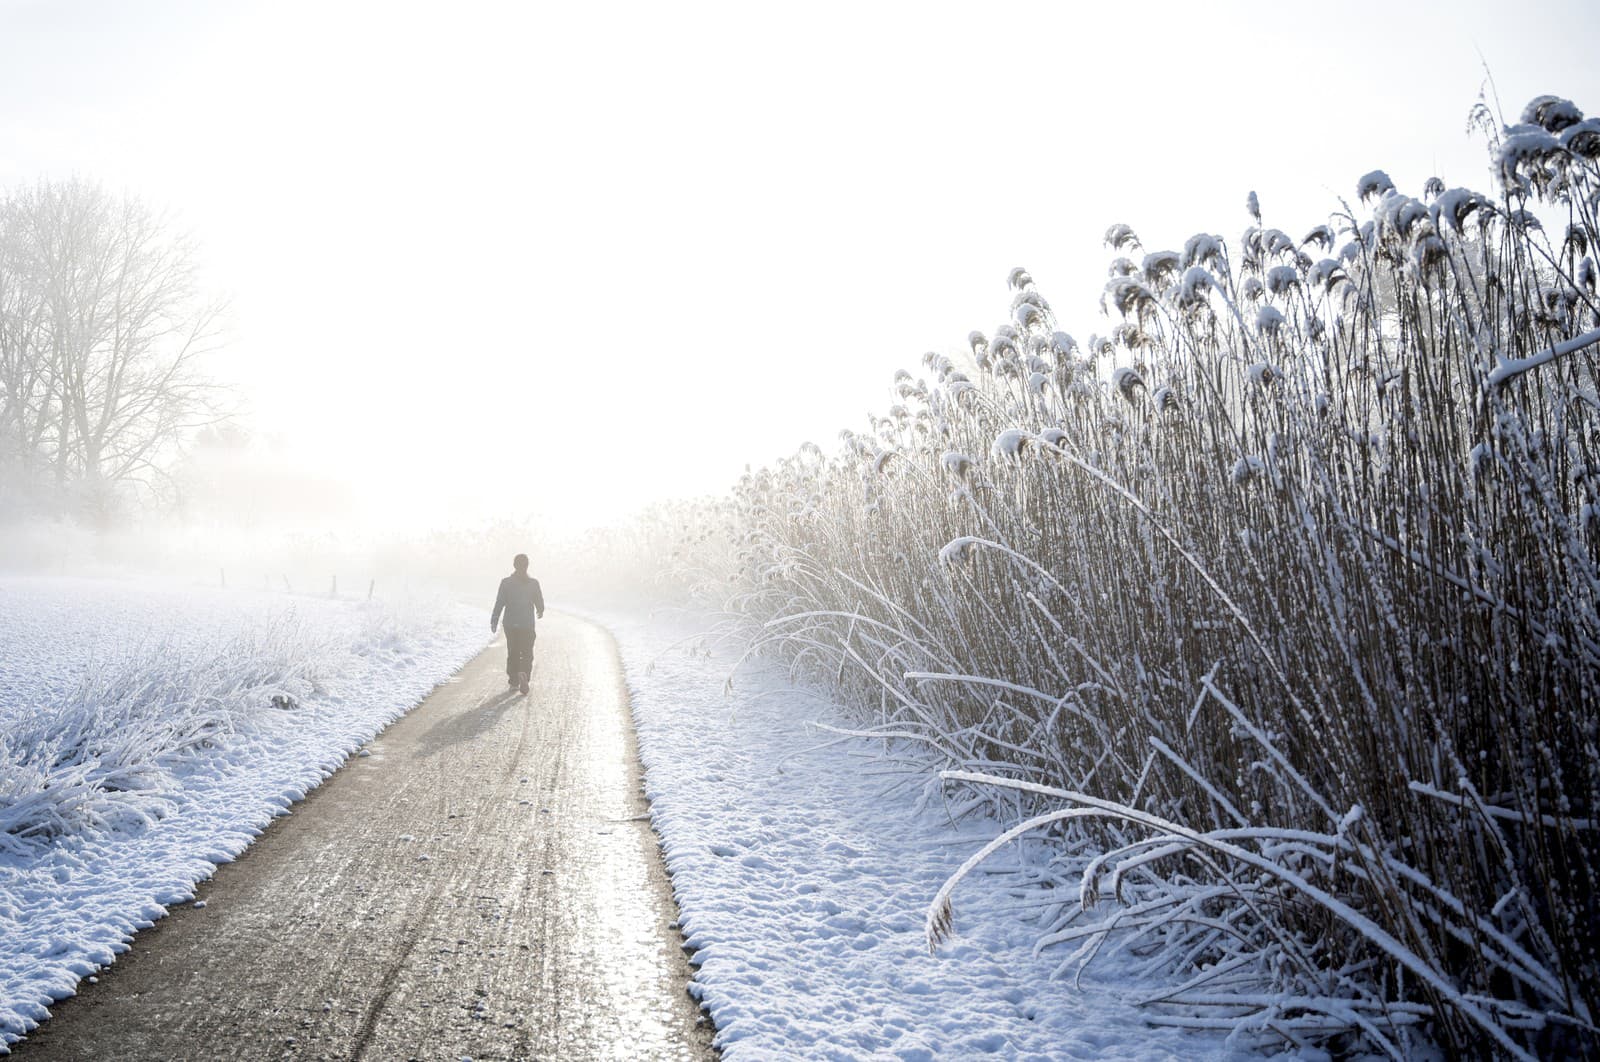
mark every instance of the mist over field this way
{"type": "Point", "coordinates": [1189, 473]}
{"type": "Point", "coordinates": [463, 278]}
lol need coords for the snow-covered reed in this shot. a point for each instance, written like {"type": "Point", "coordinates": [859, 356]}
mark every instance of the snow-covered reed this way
{"type": "Point", "coordinates": [1275, 606]}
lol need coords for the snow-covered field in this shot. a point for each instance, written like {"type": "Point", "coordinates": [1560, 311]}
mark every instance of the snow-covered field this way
{"type": "Point", "coordinates": [804, 868]}
{"type": "Point", "coordinates": [196, 714]}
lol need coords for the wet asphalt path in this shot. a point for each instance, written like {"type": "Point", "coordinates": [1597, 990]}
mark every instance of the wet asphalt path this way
{"type": "Point", "coordinates": [483, 885]}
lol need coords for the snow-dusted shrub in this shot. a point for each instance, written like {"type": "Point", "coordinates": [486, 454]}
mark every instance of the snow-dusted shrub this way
{"type": "Point", "coordinates": [103, 758]}
{"type": "Point", "coordinates": [1279, 605]}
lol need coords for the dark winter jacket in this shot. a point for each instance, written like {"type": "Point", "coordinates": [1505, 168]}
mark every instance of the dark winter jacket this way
{"type": "Point", "coordinates": [519, 599]}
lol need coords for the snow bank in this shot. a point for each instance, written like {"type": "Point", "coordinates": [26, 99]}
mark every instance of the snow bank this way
{"type": "Point", "coordinates": [803, 867]}
{"type": "Point", "coordinates": [149, 733]}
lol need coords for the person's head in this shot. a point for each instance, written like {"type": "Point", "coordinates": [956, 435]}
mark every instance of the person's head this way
{"type": "Point", "coordinates": [520, 563]}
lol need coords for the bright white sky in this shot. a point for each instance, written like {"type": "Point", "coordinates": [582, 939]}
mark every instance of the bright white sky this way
{"type": "Point", "coordinates": [487, 258]}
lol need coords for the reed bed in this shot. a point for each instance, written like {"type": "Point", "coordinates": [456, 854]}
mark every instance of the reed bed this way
{"type": "Point", "coordinates": [1274, 608]}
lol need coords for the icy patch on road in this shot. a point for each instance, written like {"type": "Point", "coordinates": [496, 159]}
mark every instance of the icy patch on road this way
{"type": "Point", "coordinates": [803, 870]}
{"type": "Point", "coordinates": [149, 733]}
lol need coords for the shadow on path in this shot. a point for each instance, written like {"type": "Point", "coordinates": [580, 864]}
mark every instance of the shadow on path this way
{"type": "Point", "coordinates": [466, 726]}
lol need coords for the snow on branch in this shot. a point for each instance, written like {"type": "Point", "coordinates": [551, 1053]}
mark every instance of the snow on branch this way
{"type": "Point", "coordinates": [1510, 368]}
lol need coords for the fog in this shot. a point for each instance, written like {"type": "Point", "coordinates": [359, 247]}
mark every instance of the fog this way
{"type": "Point", "coordinates": [539, 267]}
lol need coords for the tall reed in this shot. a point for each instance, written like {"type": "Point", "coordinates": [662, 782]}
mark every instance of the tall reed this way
{"type": "Point", "coordinates": [1275, 606]}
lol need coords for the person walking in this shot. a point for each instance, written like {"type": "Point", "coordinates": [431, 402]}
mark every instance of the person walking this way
{"type": "Point", "coordinates": [522, 603]}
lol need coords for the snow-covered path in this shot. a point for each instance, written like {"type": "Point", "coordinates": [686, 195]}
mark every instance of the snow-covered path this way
{"type": "Point", "coordinates": [483, 884]}
{"type": "Point", "coordinates": [803, 869]}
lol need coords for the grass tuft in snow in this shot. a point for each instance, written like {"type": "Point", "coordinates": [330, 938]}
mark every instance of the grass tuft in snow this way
{"type": "Point", "coordinates": [102, 759]}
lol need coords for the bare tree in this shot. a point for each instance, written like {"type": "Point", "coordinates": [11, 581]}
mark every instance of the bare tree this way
{"type": "Point", "coordinates": [102, 327]}
{"type": "Point", "coordinates": [26, 406]}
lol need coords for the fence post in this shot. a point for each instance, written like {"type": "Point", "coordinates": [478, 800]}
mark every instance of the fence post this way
{"type": "Point", "coordinates": [370, 587]}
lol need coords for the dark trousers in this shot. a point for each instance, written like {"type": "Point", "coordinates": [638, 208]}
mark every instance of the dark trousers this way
{"type": "Point", "coordinates": [519, 651]}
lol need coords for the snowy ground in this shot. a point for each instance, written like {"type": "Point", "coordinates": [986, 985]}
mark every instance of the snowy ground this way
{"type": "Point", "coordinates": [194, 716]}
{"type": "Point", "coordinates": [802, 865]}
{"type": "Point", "coordinates": [803, 875]}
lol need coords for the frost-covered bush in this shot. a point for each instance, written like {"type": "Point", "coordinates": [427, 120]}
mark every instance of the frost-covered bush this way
{"type": "Point", "coordinates": [1277, 604]}
{"type": "Point", "coordinates": [105, 757]}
